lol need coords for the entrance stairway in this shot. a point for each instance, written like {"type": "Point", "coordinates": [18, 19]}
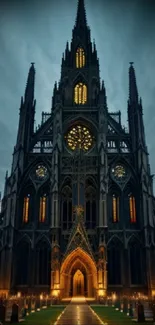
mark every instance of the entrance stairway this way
{"type": "Point", "coordinates": [78, 312]}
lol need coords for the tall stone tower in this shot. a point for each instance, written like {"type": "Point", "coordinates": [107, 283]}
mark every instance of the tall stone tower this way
{"type": "Point", "coordinates": [78, 207]}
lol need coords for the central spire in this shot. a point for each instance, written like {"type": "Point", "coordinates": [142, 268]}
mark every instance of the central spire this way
{"type": "Point", "coordinates": [81, 14]}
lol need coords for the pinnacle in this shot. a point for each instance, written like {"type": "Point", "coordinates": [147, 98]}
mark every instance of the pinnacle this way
{"type": "Point", "coordinates": [81, 14]}
{"type": "Point", "coordinates": [133, 92]}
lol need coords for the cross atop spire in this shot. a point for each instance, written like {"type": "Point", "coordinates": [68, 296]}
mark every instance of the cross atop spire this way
{"type": "Point", "coordinates": [81, 14]}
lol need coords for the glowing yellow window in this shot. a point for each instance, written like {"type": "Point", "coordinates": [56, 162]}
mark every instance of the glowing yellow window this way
{"type": "Point", "coordinates": [79, 137]}
{"type": "Point", "coordinates": [80, 94]}
{"type": "Point", "coordinates": [26, 208]}
{"type": "Point", "coordinates": [115, 208]}
{"type": "Point", "coordinates": [42, 210]}
{"type": "Point", "coordinates": [132, 207]}
{"type": "Point", "coordinates": [80, 58]}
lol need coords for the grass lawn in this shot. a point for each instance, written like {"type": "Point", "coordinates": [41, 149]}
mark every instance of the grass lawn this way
{"type": "Point", "coordinates": [43, 317]}
{"type": "Point", "coordinates": [113, 317]}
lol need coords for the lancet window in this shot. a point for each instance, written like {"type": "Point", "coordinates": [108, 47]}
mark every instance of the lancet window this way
{"type": "Point", "coordinates": [26, 207]}
{"type": "Point", "coordinates": [132, 208]}
{"type": "Point", "coordinates": [42, 208]}
{"type": "Point", "coordinates": [115, 208]}
{"type": "Point", "coordinates": [80, 58]}
{"type": "Point", "coordinates": [80, 94]}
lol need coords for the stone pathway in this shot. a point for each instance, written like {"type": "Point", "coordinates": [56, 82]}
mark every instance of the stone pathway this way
{"type": "Point", "coordinates": [78, 313]}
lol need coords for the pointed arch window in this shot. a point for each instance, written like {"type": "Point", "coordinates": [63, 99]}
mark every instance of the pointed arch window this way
{"type": "Point", "coordinates": [43, 262]}
{"type": "Point", "coordinates": [115, 208]}
{"type": "Point", "coordinates": [132, 208]}
{"type": "Point", "coordinates": [114, 255]}
{"type": "Point", "coordinates": [22, 268]}
{"type": "Point", "coordinates": [42, 208]}
{"type": "Point", "coordinates": [80, 93]}
{"type": "Point", "coordinates": [26, 208]}
{"type": "Point", "coordinates": [137, 269]}
{"type": "Point", "coordinates": [67, 207]}
{"type": "Point", "coordinates": [80, 58]}
{"type": "Point", "coordinates": [90, 208]}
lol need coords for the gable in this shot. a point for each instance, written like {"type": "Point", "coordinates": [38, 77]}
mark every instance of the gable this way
{"type": "Point", "coordinates": [78, 238]}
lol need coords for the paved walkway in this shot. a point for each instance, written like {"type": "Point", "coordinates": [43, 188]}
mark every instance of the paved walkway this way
{"type": "Point", "coordinates": [78, 313]}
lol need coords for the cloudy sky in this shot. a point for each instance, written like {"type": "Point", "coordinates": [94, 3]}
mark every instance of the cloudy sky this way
{"type": "Point", "coordinates": [37, 31]}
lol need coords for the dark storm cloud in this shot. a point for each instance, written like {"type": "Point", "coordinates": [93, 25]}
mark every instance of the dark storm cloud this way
{"type": "Point", "coordinates": [37, 31]}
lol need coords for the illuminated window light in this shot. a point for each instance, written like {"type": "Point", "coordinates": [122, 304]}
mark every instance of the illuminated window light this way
{"type": "Point", "coordinates": [115, 208]}
{"type": "Point", "coordinates": [26, 208]}
{"type": "Point", "coordinates": [80, 94]}
{"type": "Point", "coordinates": [42, 210]}
{"type": "Point", "coordinates": [132, 207]}
{"type": "Point", "coordinates": [80, 58]}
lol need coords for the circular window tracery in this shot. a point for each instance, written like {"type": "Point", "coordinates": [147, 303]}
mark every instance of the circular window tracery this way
{"type": "Point", "coordinates": [79, 137]}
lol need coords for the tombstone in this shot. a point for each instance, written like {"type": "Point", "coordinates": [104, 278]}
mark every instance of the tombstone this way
{"type": "Point", "coordinates": [38, 304]}
{"type": "Point", "coordinates": [106, 302]}
{"type": "Point", "coordinates": [125, 306]}
{"type": "Point", "coordinates": [48, 302]}
{"type": "Point", "coordinates": [24, 312]}
{"type": "Point", "coordinates": [41, 303]}
{"type": "Point", "coordinates": [33, 306]}
{"type": "Point", "coordinates": [15, 314]}
{"type": "Point", "coordinates": [2, 312]}
{"type": "Point", "coordinates": [28, 306]}
{"type": "Point", "coordinates": [117, 304]}
{"type": "Point", "coordinates": [140, 312]}
{"type": "Point", "coordinates": [131, 309]}
{"type": "Point", "coordinates": [121, 306]}
{"type": "Point", "coordinates": [153, 310]}
{"type": "Point", "coordinates": [44, 303]}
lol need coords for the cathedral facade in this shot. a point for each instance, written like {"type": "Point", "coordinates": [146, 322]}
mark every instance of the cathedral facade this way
{"type": "Point", "coordinates": [78, 211]}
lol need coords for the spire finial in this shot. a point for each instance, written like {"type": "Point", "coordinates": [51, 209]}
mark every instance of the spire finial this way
{"type": "Point", "coordinates": [81, 14]}
{"type": "Point", "coordinates": [29, 91]}
{"type": "Point", "coordinates": [133, 92]}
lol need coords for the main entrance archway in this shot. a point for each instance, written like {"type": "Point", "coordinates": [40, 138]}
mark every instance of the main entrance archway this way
{"type": "Point", "coordinates": [78, 275]}
{"type": "Point", "coordinates": [78, 284]}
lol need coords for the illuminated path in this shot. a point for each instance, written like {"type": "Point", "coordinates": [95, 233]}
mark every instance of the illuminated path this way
{"type": "Point", "coordinates": [78, 313]}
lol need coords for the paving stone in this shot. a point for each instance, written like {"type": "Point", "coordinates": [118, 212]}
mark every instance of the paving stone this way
{"type": "Point", "coordinates": [78, 312]}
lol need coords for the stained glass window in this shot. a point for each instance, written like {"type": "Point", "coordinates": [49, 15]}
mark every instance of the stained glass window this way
{"type": "Point", "coordinates": [26, 208]}
{"type": "Point", "coordinates": [80, 58]}
{"type": "Point", "coordinates": [42, 211]}
{"type": "Point", "coordinates": [119, 172]}
{"type": "Point", "coordinates": [79, 137]}
{"type": "Point", "coordinates": [115, 208]}
{"type": "Point", "coordinates": [132, 207]}
{"type": "Point", "coordinates": [80, 93]}
{"type": "Point", "coordinates": [41, 172]}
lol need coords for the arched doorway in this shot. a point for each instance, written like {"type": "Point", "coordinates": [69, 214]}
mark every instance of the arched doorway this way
{"type": "Point", "coordinates": [78, 275]}
{"type": "Point", "coordinates": [78, 283]}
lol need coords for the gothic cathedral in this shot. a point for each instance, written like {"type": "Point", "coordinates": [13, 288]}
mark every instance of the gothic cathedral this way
{"type": "Point", "coordinates": [78, 211]}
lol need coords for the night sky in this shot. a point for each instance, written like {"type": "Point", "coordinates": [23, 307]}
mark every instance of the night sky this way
{"type": "Point", "coordinates": [37, 31]}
